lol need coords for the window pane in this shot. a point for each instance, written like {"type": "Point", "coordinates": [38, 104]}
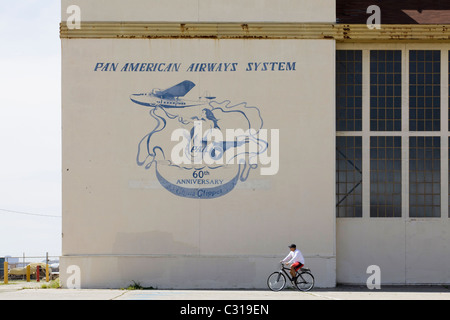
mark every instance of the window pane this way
{"type": "Point", "coordinates": [349, 177]}
{"type": "Point", "coordinates": [424, 90]}
{"type": "Point", "coordinates": [385, 90]}
{"type": "Point", "coordinates": [386, 178]}
{"type": "Point", "coordinates": [349, 90]}
{"type": "Point", "coordinates": [424, 177]}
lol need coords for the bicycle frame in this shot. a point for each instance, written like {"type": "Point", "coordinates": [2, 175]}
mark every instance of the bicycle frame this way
{"type": "Point", "coordinates": [288, 274]}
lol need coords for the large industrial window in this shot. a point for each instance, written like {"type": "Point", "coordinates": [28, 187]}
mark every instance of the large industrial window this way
{"type": "Point", "coordinates": [385, 90]}
{"type": "Point", "coordinates": [349, 176]}
{"type": "Point", "coordinates": [393, 145]}
{"type": "Point", "coordinates": [348, 90]}
{"type": "Point", "coordinates": [424, 90]}
{"type": "Point", "coordinates": [424, 177]}
{"type": "Point", "coordinates": [385, 177]}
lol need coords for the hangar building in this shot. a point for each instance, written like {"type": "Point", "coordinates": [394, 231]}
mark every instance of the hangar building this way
{"type": "Point", "coordinates": [201, 138]}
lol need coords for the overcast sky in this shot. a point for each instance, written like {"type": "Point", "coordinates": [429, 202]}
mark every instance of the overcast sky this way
{"type": "Point", "coordinates": [30, 127]}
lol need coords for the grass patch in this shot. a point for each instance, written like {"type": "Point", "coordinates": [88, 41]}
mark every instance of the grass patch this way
{"type": "Point", "coordinates": [54, 284]}
{"type": "Point", "coordinates": [9, 282]}
{"type": "Point", "coordinates": [137, 286]}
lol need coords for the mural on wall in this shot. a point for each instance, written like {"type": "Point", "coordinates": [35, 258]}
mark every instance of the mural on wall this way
{"type": "Point", "coordinates": [213, 144]}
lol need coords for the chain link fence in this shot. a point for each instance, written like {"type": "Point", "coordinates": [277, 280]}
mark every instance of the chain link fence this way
{"type": "Point", "coordinates": [17, 267]}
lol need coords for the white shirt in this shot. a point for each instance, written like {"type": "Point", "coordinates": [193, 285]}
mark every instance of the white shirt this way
{"type": "Point", "coordinates": [294, 256]}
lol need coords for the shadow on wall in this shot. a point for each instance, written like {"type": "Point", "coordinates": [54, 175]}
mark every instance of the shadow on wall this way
{"type": "Point", "coordinates": [157, 261]}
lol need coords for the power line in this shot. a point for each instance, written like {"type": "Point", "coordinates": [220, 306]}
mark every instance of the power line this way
{"type": "Point", "coordinates": [29, 213]}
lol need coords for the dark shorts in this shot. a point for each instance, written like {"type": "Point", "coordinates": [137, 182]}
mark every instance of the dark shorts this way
{"type": "Point", "coordinates": [297, 265]}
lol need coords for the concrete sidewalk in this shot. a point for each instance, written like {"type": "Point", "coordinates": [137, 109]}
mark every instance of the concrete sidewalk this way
{"type": "Point", "coordinates": [33, 291]}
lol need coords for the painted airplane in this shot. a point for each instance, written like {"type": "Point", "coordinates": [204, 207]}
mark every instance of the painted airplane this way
{"type": "Point", "coordinates": [169, 98]}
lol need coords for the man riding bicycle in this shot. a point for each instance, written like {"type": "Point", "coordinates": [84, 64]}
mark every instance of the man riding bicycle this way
{"type": "Point", "coordinates": [294, 259]}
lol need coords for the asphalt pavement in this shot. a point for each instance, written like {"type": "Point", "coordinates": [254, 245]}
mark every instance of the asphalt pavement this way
{"type": "Point", "coordinates": [34, 291]}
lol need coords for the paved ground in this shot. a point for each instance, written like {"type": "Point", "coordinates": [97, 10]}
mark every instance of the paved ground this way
{"type": "Point", "coordinates": [33, 291]}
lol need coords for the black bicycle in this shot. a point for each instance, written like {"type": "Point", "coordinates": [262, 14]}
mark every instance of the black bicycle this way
{"type": "Point", "coordinates": [304, 280]}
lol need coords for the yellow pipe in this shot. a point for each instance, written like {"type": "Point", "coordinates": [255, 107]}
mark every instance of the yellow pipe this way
{"type": "Point", "coordinates": [28, 273]}
{"type": "Point", "coordinates": [5, 272]}
{"type": "Point", "coordinates": [46, 273]}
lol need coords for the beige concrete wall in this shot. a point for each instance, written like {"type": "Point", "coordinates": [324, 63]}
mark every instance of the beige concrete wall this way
{"type": "Point", "coordinates": [119, 222]}
{"type": "Point", "coordinates": [408, 251]}
{"type": "Point", "coordinates": [116, 216]}
{"type": "Point", "coordinates": [183, 272]}
{"type": "Point", "coordinates": [204, 10]}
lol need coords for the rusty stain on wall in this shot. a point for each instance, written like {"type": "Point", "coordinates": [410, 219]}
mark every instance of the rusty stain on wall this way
{"type": "Point", "coordinates": [338, 32]}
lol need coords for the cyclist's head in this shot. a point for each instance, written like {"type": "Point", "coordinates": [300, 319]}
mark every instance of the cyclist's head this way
{"type": "Point", "coordinates": [292, 247]}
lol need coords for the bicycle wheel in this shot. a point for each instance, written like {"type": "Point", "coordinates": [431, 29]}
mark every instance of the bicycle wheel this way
{"type": "Point", "coordinates": [305, 281]}
{"type": "Point", "coordinates": [276, 281]}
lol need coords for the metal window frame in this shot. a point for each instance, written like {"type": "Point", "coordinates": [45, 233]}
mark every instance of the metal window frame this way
{"type": "Point", "coordinates": [355, 182]}
{"type": "Point", "coordinates": [385, 170]}
{"type": "Point", "coordinates": [404, 133]}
